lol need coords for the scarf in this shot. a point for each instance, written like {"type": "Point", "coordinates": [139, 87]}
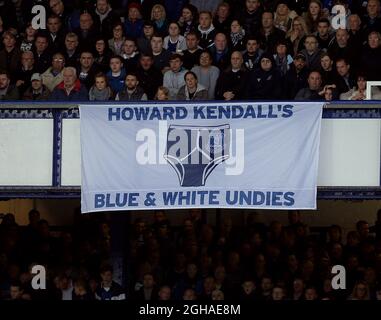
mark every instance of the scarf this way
{"type": "Point", "coordinates": [99, 95]}
{"type": "Point", "coordinates": [236, 37]}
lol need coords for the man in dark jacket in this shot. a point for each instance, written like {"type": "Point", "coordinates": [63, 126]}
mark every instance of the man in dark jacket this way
{"type": "Point", "coordinates": [37, 91]}
{"type": "Point", "coordinates": [70, 89]}
{"type": "Point", "coordinates": [7, 91]}
{"type": "Point", "coordinates": [105, 17]}
{"type": "Point", "coordinates": [132, 91]}
{"type": "Point", "coordinates": [250, 16]}
{"type": "Point", "coordinates": [10, 55]}
{"type": "Point", "coordinates": [230, 84]}
{"type": "Point", "coordinates": [264, 83]}
{"type": "Point", "coordinates": [149, 77]}
{"type": "Point", "coordinates": [296, 77]}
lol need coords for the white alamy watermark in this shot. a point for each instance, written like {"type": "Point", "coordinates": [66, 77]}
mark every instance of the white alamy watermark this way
{"type": "Point", "coordinates": [192, 145]}
{"type": "Point", "coordinates": [338, 282]}
{"type": "Point", "coordinates": [39, 280]}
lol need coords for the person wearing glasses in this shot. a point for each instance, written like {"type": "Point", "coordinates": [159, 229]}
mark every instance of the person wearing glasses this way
{"type": "Point", "coordinates": [53, 75]}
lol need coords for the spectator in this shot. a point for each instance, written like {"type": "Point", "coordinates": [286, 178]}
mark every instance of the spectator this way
{"type": "Point", "coordinates": [148, 291]}
{"type": "Point", "coordinates": [193, 51]}
{"type": "Point", "coordinates": [117, 74]}
{"type": "Point", "coordinates": [283, 60]}
{"type": "Point", "coordinates": [312, 91]}
{"type": "Point", "coordinates": [105, 18]}
{"type": "Point", "coordinates": [328, 73]}
{"type": "Point", "coordinates": [87, 70]}
{"type": "Point", "coordinates": [162, 94]}
{"type": "Point", "coordinates": [346, 80]}
{"type": "Point", "coordinates": [230, 84]}
{"type": "Point", "coordinates": [109, 289]}
{"type": "Point", "coordinates": [190, 295]}
{"type": "Point", "coordinates": [218, 295]}
{"type": "Point", "coordinates": [87, 32]}
{"type": "Point", "coordinates": [278, 294]}
{"type": "Point", "coordinates": [372, 20]}
{"type": "Point", "coordinates": [37, 91]}
{"type": "Point", "coordinates": [69, 19]}
{"type": "Point", "coordinates": [149, 77]}
{"type": "Point", "coordinates": [54, 75]}
{"type": "Point", "coordinates": [164, 293]}
{"type": "Point", "coordinates": [25, 72]}
{"type": "Point", "coordinates": [296, 36]}
{"type": "Point", "coordinates": [220, 51]}
{"type": "Point", "coordinates": [222, 20]}
{"type": "Point", "coordinates": [132, 91]}
{"type": "Point", "coordinates": [250, 16]}
{"type": "Point", "coordinates": [10, 55]}
{"type": "Point", "coordinates": [206, 29]}
{"type": "Point", "coordinates": [263, 83]}
{"type": "Point", "coordinates": [174, 78]}
{"type": "Point", "coordinates": [341, 48]}
{"type": "Point", "coordinates": [70, 89]}
{"type": "Point", "coordinates": [207, 74]}
{"type": "Point", "coordinates": [356, 32]}
{"type": "Point", "coordinates": [313, 15]}
{"type": "Point", "coordinates": [323, 34]}
{"type": "Point", "coordinates": [360, 291]}
{"type": "Point", "coordinates": [133, 25]}
{"type": "Point", "coordinates": [54, 33]}
{"type": "Point", "coordinates": [253, 53]}
{"type": "Point", "coordinates": [41, 55]}
{"type": "Point", "coordinates": [311, 294]}
{"type": "Point", "coordinates": [268, 35]}
{"type": "Point", "coordinates": [117, 41]}
{"type": "Point", "coordinates": [130, 55]}
{"type": "Point", "coordinates": [144, 42]}
{"type": "Point", "coordinates": [237, 36]}
{"type": "Point", "coordinates": [7, 91]}
{"type": "Point", "coordinates": [370, 62]}
{"type": "Point", "coordinates": [296, 77]}
{"type": "Point", "coordinates": [160, 55]}
{"type": "Point", "coordinates": [28, 39]}
{"type": "Point", "coordinates": [100, 91]}
{"type": "Point", "coordinates": [359, 91]}
{"type": "Point", "coordinates": [71, 51]}
{"type": "Point", "coordinates": [174, 42]}
{"type": "Point", "coordinates": [81, 292]}
{"type": "Point", "coordinates": [102, 54]}
{"type": "Point", "coordinates": [16, 291]}
{"type": "Point", "coordinates": [312, 53]}
{"type": "Point", "coordinates": [203, 5]}
{"type": "Point", "coordinates": [192, 90]}
{"type": "Point", "coordinates": [188, 19]}
{"type": "Point", "coordinates": [283, 16]}
{"type": "Point", "coordinates": [159, 18]}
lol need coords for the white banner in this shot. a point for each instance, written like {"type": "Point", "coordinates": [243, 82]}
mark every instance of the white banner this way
{"type": "Point", "coordinates": [220, 155]}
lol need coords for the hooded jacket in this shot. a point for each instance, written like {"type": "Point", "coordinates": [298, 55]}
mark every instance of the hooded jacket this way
{"type": "Point", "coordinates": [200, 94]}
{"type": "Point", "coordinates": [264, 85]}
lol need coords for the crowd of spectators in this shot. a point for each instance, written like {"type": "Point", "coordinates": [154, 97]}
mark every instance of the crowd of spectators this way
{"type": "Point", "coordinates": [125, 50]}
{"type": "Point", "coordinates": [248, 261]}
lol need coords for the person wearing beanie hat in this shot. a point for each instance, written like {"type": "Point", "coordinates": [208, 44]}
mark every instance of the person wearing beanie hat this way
{"type": "Point", "coordinates": [265, 82]}
{"type": "Point", "coordinates": [133, 25]}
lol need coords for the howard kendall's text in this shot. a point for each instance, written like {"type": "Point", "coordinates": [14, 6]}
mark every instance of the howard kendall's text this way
{"type": "Point", "coordinates": [200, 112]}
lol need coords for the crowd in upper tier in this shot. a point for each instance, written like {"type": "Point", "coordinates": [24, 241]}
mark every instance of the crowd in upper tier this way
{"type": "Point", "coordinates": [123, 50]}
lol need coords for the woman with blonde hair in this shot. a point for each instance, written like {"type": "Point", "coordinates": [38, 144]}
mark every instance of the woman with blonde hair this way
{"type": "Point", "coordinates": [159, 18]}
{"type": "Point", "coordinates": [283, 16]}
{"type": "Point", "coordinates": [296, 35]}
{"type": "Point", "coordinates": [162, 94]}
